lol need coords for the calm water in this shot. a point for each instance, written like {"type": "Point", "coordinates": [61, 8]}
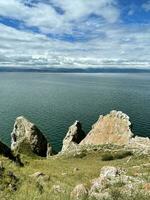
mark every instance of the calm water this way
{"type": "Point", "coordinates": [55, 101]}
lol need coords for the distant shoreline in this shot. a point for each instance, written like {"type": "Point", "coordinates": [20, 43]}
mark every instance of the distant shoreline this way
{"type": "Point", "coordinates": [74, 70]}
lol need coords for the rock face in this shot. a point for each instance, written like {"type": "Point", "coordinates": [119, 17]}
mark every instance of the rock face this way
{"type": "Point", "coordinates": [27, 136]}
{"type": "Point", "coordinates": [113, 128]}
{"type": "Point", "coordinates": [73, 137]}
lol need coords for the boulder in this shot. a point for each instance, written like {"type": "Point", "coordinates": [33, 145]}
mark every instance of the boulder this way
{"type": "Point", "coordinates": [98, 186]}
{"type": "Point", "coordinates": [37, 175]}
{"type": "Point", "coordinates": [27, 138]}
{"type": "Point", "coordinates": [114, 128]}
{"type": "Point", "coordinates": [79, 192]}
{"type": "Point", "coordinates": [57, 189]}
{"type": "Point", "coordinates": [110, 172]}
{"type": "Point", "coordinates": [73, 137]}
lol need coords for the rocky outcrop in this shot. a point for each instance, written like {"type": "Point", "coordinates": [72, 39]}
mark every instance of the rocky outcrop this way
{"type": "Point", "coordinates": [73, 137]}
{"type": "Point", "coordinates": [111, 180]}
{"type": "Point", "coordinates": [27, 137]}
{"type": "Point", "coordinates": [140, 145]}
{"type": "Point", "coordinates": [110, 177]}
{"type": "Point", "coordinates": [113, 128]}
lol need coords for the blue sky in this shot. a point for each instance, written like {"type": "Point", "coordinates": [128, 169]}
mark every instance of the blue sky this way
{"type": "Point", "coordinates": [79, 33]}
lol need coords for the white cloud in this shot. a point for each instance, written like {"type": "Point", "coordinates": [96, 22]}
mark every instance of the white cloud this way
{"type": "Point", "coordinates": [45, 17]}
{"type": "Point", "coordinates": [99, 41]}
{"type": "Point", "coordinates": [80, 9]}
{"type": "Point", "coordinates": [120, 47]}
{"type": "Point", "coordinates": [146, 6]}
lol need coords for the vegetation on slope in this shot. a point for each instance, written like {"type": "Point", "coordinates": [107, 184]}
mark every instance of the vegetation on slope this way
{"type": "Point", "coordinates": [63, 173]}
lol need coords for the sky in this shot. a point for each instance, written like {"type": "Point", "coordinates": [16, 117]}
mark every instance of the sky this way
{"type": "Point", "coordinates": [75, 33]}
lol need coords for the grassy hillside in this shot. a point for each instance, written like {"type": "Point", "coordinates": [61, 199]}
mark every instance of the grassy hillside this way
{"type": "Point", "coordinates": [63, 173]}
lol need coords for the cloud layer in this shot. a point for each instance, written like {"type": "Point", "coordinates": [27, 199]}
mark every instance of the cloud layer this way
{"type": "Point", "coordinates": [79, 33]}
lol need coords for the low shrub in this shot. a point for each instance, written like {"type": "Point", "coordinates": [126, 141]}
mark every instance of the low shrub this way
{"type": "Point", "coordinates": [107, 157]}
{"type": "Point", "coordinates": [114, 156]}
{"type": "Point", "coordinates": [122, 154]}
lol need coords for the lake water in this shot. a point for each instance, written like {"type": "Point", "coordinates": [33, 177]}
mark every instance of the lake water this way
{"type": "Point", "coordinates": [55, 101]}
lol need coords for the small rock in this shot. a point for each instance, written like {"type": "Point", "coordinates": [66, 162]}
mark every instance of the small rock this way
{"type": "Point", "coordinates": [37, 174]}
{"type": "Point", "coordinates": [40, 176]}
{"type": "Point", "coordinates": [100, 196]}
{"type": "Point", "coordinates": [79, 192]}
{"type": "Point", "coordinates": [109, 172]}
{"type": "Point", "coordinates": [57, 189]}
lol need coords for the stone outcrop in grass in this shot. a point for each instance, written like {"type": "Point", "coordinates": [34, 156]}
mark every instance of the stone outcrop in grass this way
{"type": "Point", "coordinates": [26, 138]}
{"type": "Point", "coordinates": [113, 183]}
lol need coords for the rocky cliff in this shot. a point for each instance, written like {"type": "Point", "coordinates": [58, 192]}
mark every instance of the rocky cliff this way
{"type": "Point", "coordinates": [73, 137]}
{"type": "Point", "coordinates": [81, 170]}
{"type": "Point", "coordinates": [113, 128]}
{"type": "Point", "coordinates": [27, 137]}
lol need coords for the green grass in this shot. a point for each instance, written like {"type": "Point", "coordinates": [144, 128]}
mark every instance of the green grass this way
{"type": "Point", "coordinates": [61, 172]}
